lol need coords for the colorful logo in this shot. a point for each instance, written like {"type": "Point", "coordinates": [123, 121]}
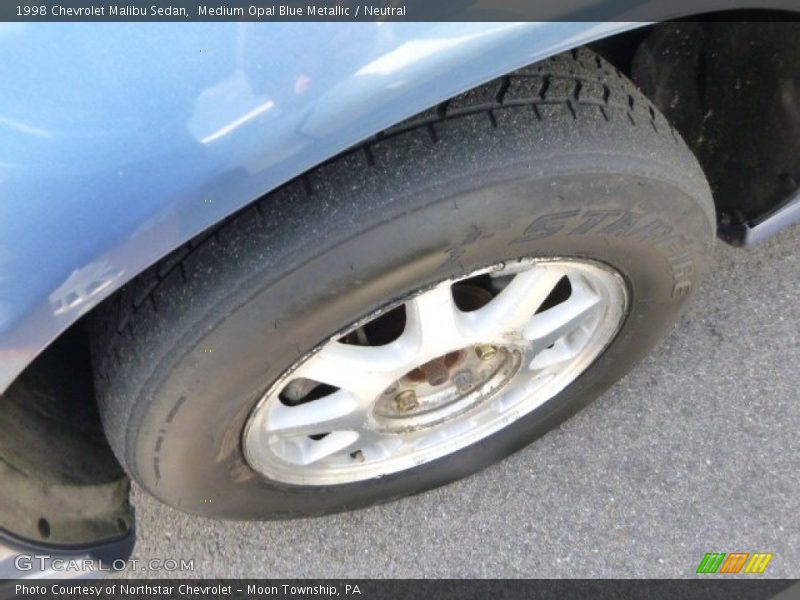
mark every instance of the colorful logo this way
{"type": "Point", "coordinates": [732, 563]}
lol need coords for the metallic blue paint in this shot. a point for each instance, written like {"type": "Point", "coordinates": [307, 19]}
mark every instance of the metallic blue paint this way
{"type": "Point", "coordinates": [122, 141]}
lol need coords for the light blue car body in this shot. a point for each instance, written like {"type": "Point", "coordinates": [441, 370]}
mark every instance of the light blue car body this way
{"type": "Point", "coordinates": [119, 142]}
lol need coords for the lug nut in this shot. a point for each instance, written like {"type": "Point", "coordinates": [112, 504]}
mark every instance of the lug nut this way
{"type": "Point", "coordinates": [406, 401]}
{"type": "Point", "coordinates": [486, 351]}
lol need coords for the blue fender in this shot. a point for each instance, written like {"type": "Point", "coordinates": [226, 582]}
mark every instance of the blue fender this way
{"type": "Point", "coordinates": [122, 141]}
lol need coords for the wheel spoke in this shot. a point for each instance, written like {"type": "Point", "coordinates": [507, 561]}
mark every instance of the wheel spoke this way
{"type": "Point", "coordinates": [339, 410]}
{"type": "Point", "coordinates": [562, 350]}
{"type": "Point", "coordinates": [513, 308]}
{"type": "Point", "coordinates": [370, 445]}
{"type": "Point", "coordinates": [305, 451]}
{"type": "Point", "coordinates": [549, 326]}
{"type": "Point", "coordinates": [365, 371]}
{"type": "Point", "coordinates": [434, 322]}
{"type": "Point", "coordinates": [374, 445]}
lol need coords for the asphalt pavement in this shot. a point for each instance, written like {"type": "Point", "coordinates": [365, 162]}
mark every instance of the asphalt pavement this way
{"type": "Point", "coordinates": [696, 451]}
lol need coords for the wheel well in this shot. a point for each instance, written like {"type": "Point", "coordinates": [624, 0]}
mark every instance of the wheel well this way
{"type": "Point", "coordinates": [59, 481]}
{"type": "Point", "coordinates": [727, 82]}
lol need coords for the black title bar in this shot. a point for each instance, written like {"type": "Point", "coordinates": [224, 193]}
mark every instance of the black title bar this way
{"type": "Point", "coordinates": [369, 10]}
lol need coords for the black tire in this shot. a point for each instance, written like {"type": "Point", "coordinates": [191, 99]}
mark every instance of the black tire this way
{"type": "Point", "coordinates": [564, 158]}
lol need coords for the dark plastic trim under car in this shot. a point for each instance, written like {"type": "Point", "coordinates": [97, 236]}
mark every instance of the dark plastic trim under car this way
{"type": "Point", "coordinates": [753, 232]}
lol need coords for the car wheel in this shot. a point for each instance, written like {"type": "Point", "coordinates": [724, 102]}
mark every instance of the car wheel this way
{"type": "Point", "coordinates": [413, 310]}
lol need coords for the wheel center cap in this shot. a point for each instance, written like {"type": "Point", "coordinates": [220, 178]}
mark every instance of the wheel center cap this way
{"type": "Point", "coordinates": [444, 387]}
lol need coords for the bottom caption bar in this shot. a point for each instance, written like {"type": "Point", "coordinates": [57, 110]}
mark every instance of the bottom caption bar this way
{"type": "Point", "coordinates": [397, 588]}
